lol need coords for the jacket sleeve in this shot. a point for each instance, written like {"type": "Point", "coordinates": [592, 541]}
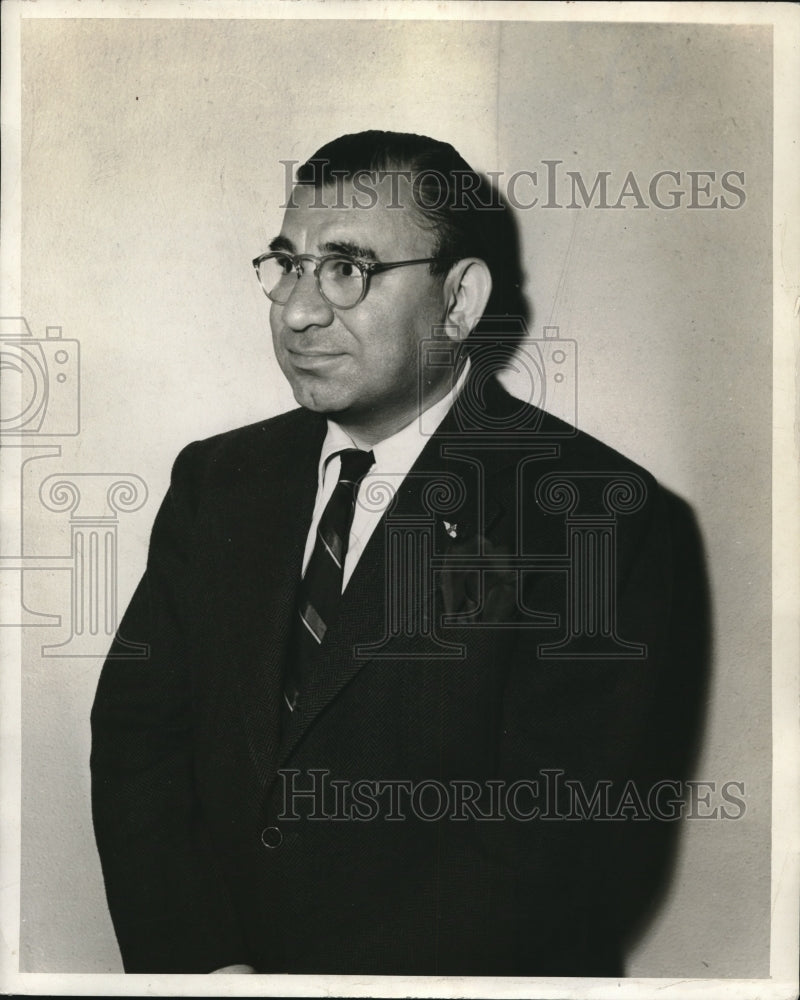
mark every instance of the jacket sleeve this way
{"type": "Point", "coordinates": [167, 898]}
{"type": "Point", "coordinates": [600, 736]}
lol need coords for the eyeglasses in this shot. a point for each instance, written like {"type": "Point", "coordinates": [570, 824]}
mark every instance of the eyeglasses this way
{"type": "Point", "coordinates": [341, 281]}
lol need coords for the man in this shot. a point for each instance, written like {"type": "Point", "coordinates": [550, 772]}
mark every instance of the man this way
{"type": "Point", "coordinates": [401, 638]}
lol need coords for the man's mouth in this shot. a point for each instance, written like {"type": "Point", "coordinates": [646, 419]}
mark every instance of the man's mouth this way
{"type": "Point", "coordinates": [312, 360]}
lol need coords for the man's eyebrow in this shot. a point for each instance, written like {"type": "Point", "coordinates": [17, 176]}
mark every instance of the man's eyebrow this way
{"type": "Point", "coordinates": [348, 248]}
{"type": "Point", "coordinates": [281, 243]}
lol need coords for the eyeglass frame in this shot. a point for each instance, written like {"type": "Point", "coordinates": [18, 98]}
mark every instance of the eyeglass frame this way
{"type": "Point", "coordinates": [367, 268]}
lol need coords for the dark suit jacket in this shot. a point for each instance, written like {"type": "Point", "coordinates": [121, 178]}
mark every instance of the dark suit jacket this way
{"type": "Point", "coordinates": [200, 868]}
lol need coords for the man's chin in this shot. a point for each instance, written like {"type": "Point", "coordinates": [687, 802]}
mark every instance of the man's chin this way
{"type": "Point", "coordinates": [319, 397]}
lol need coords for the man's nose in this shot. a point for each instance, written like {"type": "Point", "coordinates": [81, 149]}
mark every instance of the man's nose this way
{"type": "Point", "coordinates": [305, 306]}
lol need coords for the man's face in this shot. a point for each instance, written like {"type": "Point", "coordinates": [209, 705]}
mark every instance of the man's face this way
{"type": "Point", "coordinates": [359, 365]}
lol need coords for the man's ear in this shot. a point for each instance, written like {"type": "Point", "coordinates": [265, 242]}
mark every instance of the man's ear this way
{"type": "Point", "coordinates": [467, 288]}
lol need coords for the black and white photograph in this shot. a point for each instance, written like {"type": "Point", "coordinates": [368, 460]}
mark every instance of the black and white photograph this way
{"type": "Point", "coordinates": [400, 540]}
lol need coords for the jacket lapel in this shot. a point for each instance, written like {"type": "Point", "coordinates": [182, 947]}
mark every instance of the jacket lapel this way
{"type": "Point", "coordinates": [457, 479]}
{"type": "Point", "coordinates": [262, 548]}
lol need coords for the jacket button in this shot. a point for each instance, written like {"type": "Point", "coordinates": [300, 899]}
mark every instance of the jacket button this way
{"type": "Point", "coordinates": [271, 837]}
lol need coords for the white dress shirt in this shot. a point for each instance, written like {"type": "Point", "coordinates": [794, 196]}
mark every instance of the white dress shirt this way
{"type": "Point", "coordinates": [394, 458]}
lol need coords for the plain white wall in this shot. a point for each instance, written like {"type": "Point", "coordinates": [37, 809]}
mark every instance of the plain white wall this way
{"type": "Point", "coordinates": [151, 177]}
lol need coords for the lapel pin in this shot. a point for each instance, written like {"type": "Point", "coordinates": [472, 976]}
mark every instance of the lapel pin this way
{"type": "Point", "coordinates": [451, 529]}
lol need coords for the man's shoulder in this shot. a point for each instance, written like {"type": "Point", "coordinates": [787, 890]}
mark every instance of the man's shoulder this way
{"type": "Point", "coordinates": [267, 445]}
{"type": "Point", "coordinates": [274, 431]}
{"type": "Point", "coordinates": [523, 428]}
{"type": "Point", "coordinates": [580, 450]}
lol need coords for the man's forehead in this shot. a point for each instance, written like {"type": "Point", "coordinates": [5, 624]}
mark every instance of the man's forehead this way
{"type": "Point", "coordinates": [376, 216]}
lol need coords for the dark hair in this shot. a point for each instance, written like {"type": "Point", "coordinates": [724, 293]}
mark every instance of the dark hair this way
{"type": "Point", "coordinates": [462, 207]}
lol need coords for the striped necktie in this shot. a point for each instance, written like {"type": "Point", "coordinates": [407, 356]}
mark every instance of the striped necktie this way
{"type": "Point", "coordinates": [321, 587]}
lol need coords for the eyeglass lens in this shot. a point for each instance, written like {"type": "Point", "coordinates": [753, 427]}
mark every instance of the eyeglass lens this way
{"type": "Point", "coordinates": [341, 282]}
